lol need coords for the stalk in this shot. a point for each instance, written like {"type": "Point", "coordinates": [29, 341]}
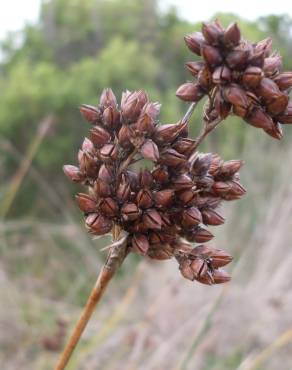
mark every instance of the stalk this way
{"type": "Point", "coordinates": [115, 258]}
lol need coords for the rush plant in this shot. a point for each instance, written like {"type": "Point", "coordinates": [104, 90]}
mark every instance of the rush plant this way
{"type": "Point", "coordinates": [160, 212]}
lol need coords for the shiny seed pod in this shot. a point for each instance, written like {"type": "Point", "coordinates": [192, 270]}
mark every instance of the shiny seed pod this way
{"type": "Point", "coordinates": [86, 203]}
{"type": "Point", "coordinates": [286, 116]}
{"type": "Point", "coordinates": [90, 113]}
{"type": "Point", "coordinates": [213, 32]}
{"type": "Point", "coordinates": [149, 150]}
{"type": "Point", "coordinates": [73, 173]}
{"type": "Point", "coordinates": [99, 136]}
{"type": "Point", "coordinates": [152, 220]}
{"type": "Point", "coordinates": [194, 42]}
{"type": "Point", "coordinates": [220, 276]}
{"type": "Point", "coordinates": [130, 212]}
{"type": "Point", "coordinates": [108, 207]}
{"type": "Point", "coordinates": [190, 92]}
{"type": "Point", "coordinates": [191, 216]}
{"type": "Point", "coordinates": [211, 55]}
{"type": "Point", "coordinates": [164, 198]}
{"type": "Point", "coordinates": [232, 35]}
{"type": "Point", "coordinates": [108, 99]}
{"type": "Point", "coordinates": [195, 67]}
{"type": "Point", "coordinates": [211, 217]}
{"type": "Point", "coordinates": [284, 80]}
{"type": "Point", "coordinates": [172, 158]}
{"type": "Point", "coordinates": [140, 244]}
{"type": "Point", "coordinates": [237, 59]}
{"type": "Point", "coordinates": [98, 224]}
{"type": "Point", "coordinates": [144, 199]}
{"type": "Point", "coordinates": [109, 153]}
{"type": "Point", "coordinates": [252, 77]}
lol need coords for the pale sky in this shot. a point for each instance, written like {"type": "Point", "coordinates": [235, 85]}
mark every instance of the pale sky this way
{"type": "Point", "coordinates": [15, 13]}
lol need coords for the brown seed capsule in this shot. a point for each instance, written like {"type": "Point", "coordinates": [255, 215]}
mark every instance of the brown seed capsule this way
{"type": "Point", "coordinates": [109, 153]}
{"type": "Point", "coordinates": [184, 145]}
{"type": "Point", "coordinates": [124, 136]}
{"type": "Point", "coordinates": [172, 158]}
{"type": "Point", "coordinates": [132, 105]}
{"type": "Point", "coordinates": [130, 212]}
{"type": "Point", "coordinates": [213, 32]}
{"type": "Point", "coordinates": [87, 164]}
{"type": "Point", "coordinates": [151, 109]}
{"type": "Point", "coordinates": [152, 219]}
{"type": "Point", "coordinates": [264, 46]}
{"type": "Point", "coordinates": [284, 80]}
{"type": "Point", "coordinates": [111, 117]}
{"type": "Point", "coordinates": [221, 105]}
{"type": "Point", "coordinates": [211, 55]}
{"type": "Point", "coordinates": [221, 187]}
{"type": "Point", "coordinates": [201, 235]}
{"type": "Point", "coordinates": [145, 124]}
{"type": "Point", "coordinates": [98, 224]}
{"type": "Point", "coordinates": [268, 90]}
{"type": "Point", "coordinates": [199, 267]}
{"type": "Point", "coordinates": [272, 65]}
{"type": "Point", "coordinates": [86, 203]}
{"type": "Point", "coordinates": [205, 79]}
{"type": "Point", "coordinates": [73, 173]}
{"type": "Point", "coordinates": [229, 168]}
{"type": "Point", "coordinates": [144, 199]}
{"type": "Point", "coordinates": [181, 182]}
{"type": "Point", "coordinates": [219, 258]}
{"type": "Point", "coordinates": [102, 188]}
{"type": "Point", "coordinates": [286, 116]}
{"type": "Point", "coordinates": [220, 276]}
{"type": "Point", "coordinates": [235, 95]}
{"type": "Point", "coordinates": [252, 77]}
{"type": "Point", "coordinates": [257, 59]}
{"type": "Point", "coordinates": [99, 136]}
{"type": "Point", "coordinates": [164, 198]}
{"type": "Point", "coordinates": [164, 134]}
{"type": "Point", "coordinates": [232, 35]}
{"type": "Point", "coordinates": [90, 113]}
{"type": "Point", "coordinates": [189, 92]}
{"type": "Point", "coordinates": [105, 173]}
{"type": "Point", "coordinates": [237, 59]}
{"type": "Point", "coordinates": [276, 131]}
{"type": "Point", "coordinates": [108, 207]}
{"type": "Point", "coordinates": [161, 252]}
{"type": "Point", "coordinates": [140, 244]}
{"type": "Point", "coordinates": [191, 216]}
{"type": "Point", "coordinates": [221, 75]}
{"type": "Point", "coordinates": [211, 217]}
{"type": "Point", "coordinates": [160, 174]}
{"type": "Point", "coordinates": [123, 191]}
{"type": "Point", "coordinates": [87, 146]}
{"type": "Point", "coordinates": [187, 197]}
{"type": "Point", "coordinates": [195, 67]}
{"type": "Point", "coordinates": [108, 99]}
{"type": "Point", "coordinates": [278, 104]}
{"type": "Point", "coordinates": [194, 42]}
{"type": "Point", "coordinates": [186, 270]}
{"type": "Point", "coordinates": [258, 118]}
{"type": "Point", "coordinates": [149, 150]}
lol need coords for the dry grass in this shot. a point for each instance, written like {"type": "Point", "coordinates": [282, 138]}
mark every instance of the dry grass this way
{"type": "Point", "coordinates": [151, 318]}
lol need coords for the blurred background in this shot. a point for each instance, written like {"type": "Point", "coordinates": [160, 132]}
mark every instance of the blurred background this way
{"type": "Point", "coordinates": [57, 54]}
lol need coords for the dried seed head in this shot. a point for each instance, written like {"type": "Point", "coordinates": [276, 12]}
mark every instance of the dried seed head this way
{"type": "Point", "coordinates": [90, 113]}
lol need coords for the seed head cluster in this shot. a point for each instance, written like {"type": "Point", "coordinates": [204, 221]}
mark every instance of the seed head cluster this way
{"type": "Point", "coordinates": [239, 77]}
{"type": "Point", "coordinates": [162, 209]}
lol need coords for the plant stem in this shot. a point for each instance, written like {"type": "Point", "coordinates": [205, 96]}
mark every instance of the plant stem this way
{"type": "Point", "coordinates": [206, 129]}
{"type": "Point", "coordinates": [189, 112]}
{"type": "Point", "coordinates": [115, 258]}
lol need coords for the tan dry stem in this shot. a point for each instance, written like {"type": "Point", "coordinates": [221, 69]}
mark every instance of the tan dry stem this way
{"type": "Point", "coordinates": [115, 258]}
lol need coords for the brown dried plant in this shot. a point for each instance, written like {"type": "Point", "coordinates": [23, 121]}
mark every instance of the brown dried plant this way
{"type": "Point", "coordinates": [159, 212]}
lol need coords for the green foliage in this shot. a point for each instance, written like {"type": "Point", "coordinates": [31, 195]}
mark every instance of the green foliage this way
{"type": "Point", "coordinates": [79, 47]}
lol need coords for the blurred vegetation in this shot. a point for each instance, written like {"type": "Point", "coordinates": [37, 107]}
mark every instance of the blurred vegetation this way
{"type": "Point", "coordinates": [75, 50]}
